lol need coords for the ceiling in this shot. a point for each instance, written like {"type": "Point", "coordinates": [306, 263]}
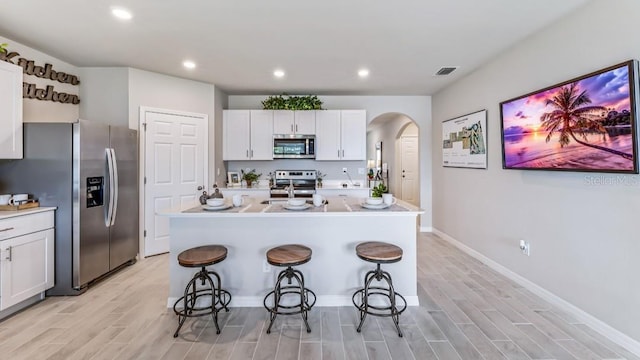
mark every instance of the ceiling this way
{"type": "Point", "coordinates": [319, 44]}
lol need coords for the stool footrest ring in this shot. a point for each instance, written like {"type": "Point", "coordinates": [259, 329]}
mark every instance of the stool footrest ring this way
{"type": "Point", "coordinates": [213, 298]}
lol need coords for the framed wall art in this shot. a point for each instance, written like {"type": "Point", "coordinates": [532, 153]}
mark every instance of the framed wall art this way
{"type": "Point", "coordinates": [464, 141]}
{"type": "Point", "coordinates": [233, 178]}
{"type": "Point", "coordinates": [584, 124]}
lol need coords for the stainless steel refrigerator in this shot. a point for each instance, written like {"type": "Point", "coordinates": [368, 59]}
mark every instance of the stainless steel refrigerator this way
{"type": "Point", "coordinates": [89, 171]}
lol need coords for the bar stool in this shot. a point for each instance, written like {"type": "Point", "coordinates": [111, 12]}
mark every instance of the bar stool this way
{"type": "Point", "coordinates": [379, 253]}
{"type": "Point", "coordinates": [289, 255]}
{"type": "Point", "coordinates": [202, 257]}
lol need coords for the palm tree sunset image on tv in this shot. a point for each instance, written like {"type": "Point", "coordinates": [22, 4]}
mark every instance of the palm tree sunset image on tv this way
{"type": "Point", "coordinates": [586, 124]}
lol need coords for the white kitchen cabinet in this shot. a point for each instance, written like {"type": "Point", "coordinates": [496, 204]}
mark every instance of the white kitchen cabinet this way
{"type": "Point", "coordinates": [289, 122]}
{"type": "Point", "coordinates": [248, 135]}
{"type": "Point", "coordinates": [26, 257]}
{"type": "Point", "coordinates": [341, 135]}
{"type": "Point", "coordinates": [261, 135]}
{"type": "Point", "coordinates": [10, 111]}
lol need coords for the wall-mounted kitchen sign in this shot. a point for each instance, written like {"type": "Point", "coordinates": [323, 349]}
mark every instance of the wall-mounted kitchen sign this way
{"type": "Point", "coordinates": [31, 91]}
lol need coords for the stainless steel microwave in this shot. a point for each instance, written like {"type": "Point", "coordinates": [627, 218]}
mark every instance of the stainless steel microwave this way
{"type": "Point", "coordinates": [294, 147]}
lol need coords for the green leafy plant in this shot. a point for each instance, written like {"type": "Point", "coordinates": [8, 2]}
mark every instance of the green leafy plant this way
{"type": "Point", "coordinates": [3, 47]}
{"type": "Point", "coordinates": [286, 102]}
{"type": "Point", "coordinates": [250, 175]}
{"type": "Point", "coordinates": [378, 190]}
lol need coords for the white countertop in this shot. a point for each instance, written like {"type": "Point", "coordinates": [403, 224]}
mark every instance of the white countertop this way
{"type": "Point", "coordinates": [337, 206]}
{"type": "Point", "coordinates": [10, 214]}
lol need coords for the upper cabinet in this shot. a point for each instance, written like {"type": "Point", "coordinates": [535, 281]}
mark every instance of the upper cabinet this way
{"type": "Point", "coordinates": [10, 111]}
{"type": "Point", "coordinates": [247, 135]}
{"type": "Point", "coordinates": [289, 122]}
{"type": "Point", "coordinates": [341, 135]}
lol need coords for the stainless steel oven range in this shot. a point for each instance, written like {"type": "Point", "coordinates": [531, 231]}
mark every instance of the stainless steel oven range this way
{"type": "Point", "coordinates": [298, 183]}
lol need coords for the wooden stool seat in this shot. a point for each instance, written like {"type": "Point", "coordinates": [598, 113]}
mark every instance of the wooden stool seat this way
{"type": "Point", "coordinates": [379, 252]}
{"type": "Point", "coordinates": [289, 255]}
{"type": "Point", "coordinates": [202, 256]}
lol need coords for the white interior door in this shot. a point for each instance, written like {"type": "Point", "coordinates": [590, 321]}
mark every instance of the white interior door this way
{"type": "Point", "coordinates": [175, 163]}
{"type": "Point", "coordinates": [409, 166]}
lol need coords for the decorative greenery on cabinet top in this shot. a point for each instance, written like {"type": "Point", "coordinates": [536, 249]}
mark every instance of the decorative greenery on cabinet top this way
{"type": "Point", "coordinates": [286, 102]}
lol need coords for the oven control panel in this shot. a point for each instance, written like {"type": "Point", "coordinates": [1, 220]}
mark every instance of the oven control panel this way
{"type": "Point", "coordinates": [296, 174]}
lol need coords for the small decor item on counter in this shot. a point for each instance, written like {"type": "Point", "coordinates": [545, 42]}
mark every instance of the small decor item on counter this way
{"type": "Point", "coordinates": [4, 199]}
{"type": "Point", "coordinates": [370, 174]}
{"type": "Point", "coordinates": [216, 193]}
{"type": "Point", "coordinates": [250, 176]}
{"type": "Point", "coordinates": [319, 177]}
{"type": "Point", "coordinates": [233, 179]}
{"type": "Point", "coordinates": [378, 190]}
{"type": "Point", "coordinates": [272, 177]}
{"type": "Point", "coordinates": [286, 102]}
{"type": "Point", "coordinates": [204, 197]}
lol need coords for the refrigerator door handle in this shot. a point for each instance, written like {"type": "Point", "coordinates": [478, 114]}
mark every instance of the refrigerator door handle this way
{"type": "Point", "coordinates": [115, 186]}
{"type": "Point", "coordinates": [107, 221]}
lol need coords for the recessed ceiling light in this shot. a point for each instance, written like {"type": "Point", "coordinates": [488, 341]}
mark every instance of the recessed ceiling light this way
{"type": "Point", "coordinates": [189, 64]}
{"type": "Point", "coordinates": [122, 14]}
{"type": "Point", "coordinates": [278, 73]}
{"type": "Point", "coordinates": [363, 73]}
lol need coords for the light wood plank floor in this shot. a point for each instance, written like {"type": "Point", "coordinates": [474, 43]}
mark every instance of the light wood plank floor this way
{"type": "Point", "coordinates": [467, 311]}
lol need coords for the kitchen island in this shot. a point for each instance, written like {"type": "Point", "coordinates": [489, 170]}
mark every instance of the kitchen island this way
{"type": "Point", "coordinates": [332, 231]}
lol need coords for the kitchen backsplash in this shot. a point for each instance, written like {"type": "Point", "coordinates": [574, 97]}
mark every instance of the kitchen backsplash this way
{"type": "Point", "coordinates": [332, 169]}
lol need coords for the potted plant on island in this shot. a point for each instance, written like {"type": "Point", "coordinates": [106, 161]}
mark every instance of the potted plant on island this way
{"type": "Point", "coordinates": [250, 176]}
{"type": "Point", "coordinates": [378, 190]}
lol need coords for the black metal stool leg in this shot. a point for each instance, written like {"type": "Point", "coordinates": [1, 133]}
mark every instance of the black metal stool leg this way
{"type": "Point", "coordinates": [279, 291]}
{"type": "Point", "coordinates": [365, 308]}
{"type": "Point", "coordinates": [276, 299]}
{"type": "Point", "coordinates": [219, 297]}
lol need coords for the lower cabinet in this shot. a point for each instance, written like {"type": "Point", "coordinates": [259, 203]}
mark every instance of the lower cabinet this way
{"type": "Point", "coordinates": [26, 260]}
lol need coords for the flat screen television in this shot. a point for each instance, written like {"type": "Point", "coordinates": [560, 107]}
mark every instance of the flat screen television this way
{"type": "Point", "coordinates": [584, 124]}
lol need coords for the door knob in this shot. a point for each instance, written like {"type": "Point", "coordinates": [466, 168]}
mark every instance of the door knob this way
{"type": "Point", "coordinates": [200, 188]}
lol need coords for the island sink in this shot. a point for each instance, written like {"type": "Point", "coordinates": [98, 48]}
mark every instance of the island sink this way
{"type": "Point", "coordinates": [284, 201]}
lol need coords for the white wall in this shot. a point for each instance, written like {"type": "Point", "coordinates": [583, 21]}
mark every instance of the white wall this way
{"type": "Point", "coordinates": [46, 111]}
{"type": "Point", "coordinates": [105, 95]}
{"type": "Point", "coordinates": [584, 236]}
{"type": "Point", "coordinates": [217, 173]}
{"type": "Point", "coordinates": [167, 92]}
{"type": "Point", "coordinates": [418, 108]}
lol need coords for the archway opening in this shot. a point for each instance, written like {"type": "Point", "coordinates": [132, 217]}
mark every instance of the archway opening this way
{"type": "Point", "coordinates": [393, 155]}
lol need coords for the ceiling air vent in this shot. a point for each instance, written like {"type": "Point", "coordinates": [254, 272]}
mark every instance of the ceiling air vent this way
{"type": "Point", "coordinates": [446, 70]}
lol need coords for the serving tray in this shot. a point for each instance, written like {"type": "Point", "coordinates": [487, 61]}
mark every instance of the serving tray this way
{"type": "Point", "coordinates": [29, 205]}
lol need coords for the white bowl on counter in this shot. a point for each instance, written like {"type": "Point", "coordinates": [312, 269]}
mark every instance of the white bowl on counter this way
{"type": "Point", "coordinates": [296, 202]}
{"type": "Point", "coordinates": [374, 200]}
{"type": "Point", "coordinates": [215, 202]}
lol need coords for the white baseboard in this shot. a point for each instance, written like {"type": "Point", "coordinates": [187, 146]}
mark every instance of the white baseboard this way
{"type": "Point", "coordinates": [322, 301]}
{"type": "Point", "coordinates": [598, 325]}
{"type": "Point", "coordinates": [426, 229]}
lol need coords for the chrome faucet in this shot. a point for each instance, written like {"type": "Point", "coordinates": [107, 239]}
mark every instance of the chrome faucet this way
{"type": "Point", "coordinates": [290, 189]}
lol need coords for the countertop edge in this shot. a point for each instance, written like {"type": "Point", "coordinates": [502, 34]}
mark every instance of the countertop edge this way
{"type": "Point", "coordinates": [12, 213]}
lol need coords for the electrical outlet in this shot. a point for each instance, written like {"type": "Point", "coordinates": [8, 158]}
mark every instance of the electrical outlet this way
{"type": "Point", "coordinates": [525, 247]}
{"type": "Point", "coordinates": [265, 266]}
{"type": "Point", "coordinates": [344, 170]}
{"type": "Point", "coordinates": [360, 171]}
